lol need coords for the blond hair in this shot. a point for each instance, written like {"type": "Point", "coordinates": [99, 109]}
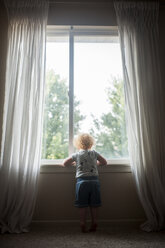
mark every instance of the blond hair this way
{"type": "Point", "coordinates": [84, 141]}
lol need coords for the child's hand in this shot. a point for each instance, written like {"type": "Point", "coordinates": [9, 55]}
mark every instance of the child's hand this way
{"type": "Point", "coordinates": [101, 160]}
{"type": "Point", "coordinates": [68, 162]}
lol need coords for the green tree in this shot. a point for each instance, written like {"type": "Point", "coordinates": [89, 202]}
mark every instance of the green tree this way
{"type": "Point", "coordinates": [56, 118]}
{"type": "Point", "coordinates": [110, 130]}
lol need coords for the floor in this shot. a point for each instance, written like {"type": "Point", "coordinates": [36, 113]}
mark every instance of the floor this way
{"type": "Point", "coordinates": [69, 236]}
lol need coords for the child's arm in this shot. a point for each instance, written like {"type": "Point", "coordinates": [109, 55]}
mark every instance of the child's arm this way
{"type": "Point", "coordinates": [68, 161]}
{"type": "Point", "coordinates": [101, 160]}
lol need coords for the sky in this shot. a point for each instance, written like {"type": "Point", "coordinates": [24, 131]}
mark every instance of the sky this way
{"type": "Point", "coordinates": [94, 65]}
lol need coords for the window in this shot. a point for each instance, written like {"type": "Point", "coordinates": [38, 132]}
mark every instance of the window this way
{"type": "Point", "coordinates": [84, 91]}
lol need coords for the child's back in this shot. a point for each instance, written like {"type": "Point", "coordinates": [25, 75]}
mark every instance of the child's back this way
{"type": "Point", "coordinates": [86, 163]}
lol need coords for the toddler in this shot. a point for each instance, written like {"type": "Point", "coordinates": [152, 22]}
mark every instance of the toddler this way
{"type": "Point", "coordinates": [87, 185]}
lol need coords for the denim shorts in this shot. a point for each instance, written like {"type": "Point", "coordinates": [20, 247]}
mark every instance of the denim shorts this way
{"type": "Point", "coordinates": [88, 192]}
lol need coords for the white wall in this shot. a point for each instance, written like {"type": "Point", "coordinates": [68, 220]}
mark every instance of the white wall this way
{"type": "Point", "coordinates": [56, 195]}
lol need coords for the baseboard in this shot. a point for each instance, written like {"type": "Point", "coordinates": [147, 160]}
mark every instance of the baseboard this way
{"type": "Point", "coordinates": [113, 222]}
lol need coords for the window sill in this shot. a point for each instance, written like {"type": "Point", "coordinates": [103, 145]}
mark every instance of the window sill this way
{"type": "Point", "coordinates": [114, 166]}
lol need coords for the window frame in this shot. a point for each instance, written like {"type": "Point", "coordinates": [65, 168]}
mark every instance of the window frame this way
{"type": "Point", "coordinates": [71, 31]}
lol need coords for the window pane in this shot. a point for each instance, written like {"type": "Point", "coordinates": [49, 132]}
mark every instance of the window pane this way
{"type": "Point", "coordinates": [98, 89]}
{"type": "Point", "coordinates": [56, 120]}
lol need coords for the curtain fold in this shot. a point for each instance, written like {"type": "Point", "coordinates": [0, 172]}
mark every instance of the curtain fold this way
{"type": "Point", "coordinates": [22, 117]}
{"type": "Point", "coordinates": [144, 97]}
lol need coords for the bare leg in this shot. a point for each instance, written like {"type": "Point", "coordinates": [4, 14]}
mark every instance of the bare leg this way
{"type": "Point", "coordinates": [83, 212]}
{"type": "Point", "coordinates": [93, 212]}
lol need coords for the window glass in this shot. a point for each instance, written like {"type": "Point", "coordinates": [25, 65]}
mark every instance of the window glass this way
{"type": "Point", "coordinates": [98, 89]}
{"type": "Point", "coordinates": [56, 109]}
{"type": "Point", "coordinates": [98, 97]}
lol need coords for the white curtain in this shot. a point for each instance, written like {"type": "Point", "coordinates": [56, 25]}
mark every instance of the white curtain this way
{"type": "Point", "coordinates": [22, 117]}
{"type": "Point", "coordinates": [138, 30]}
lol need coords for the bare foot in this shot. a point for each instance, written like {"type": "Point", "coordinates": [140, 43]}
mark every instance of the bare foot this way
{"type": "Point", "coordinates": [93, 227]}
{"type": "Point", "coordinates": [83, 228]}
